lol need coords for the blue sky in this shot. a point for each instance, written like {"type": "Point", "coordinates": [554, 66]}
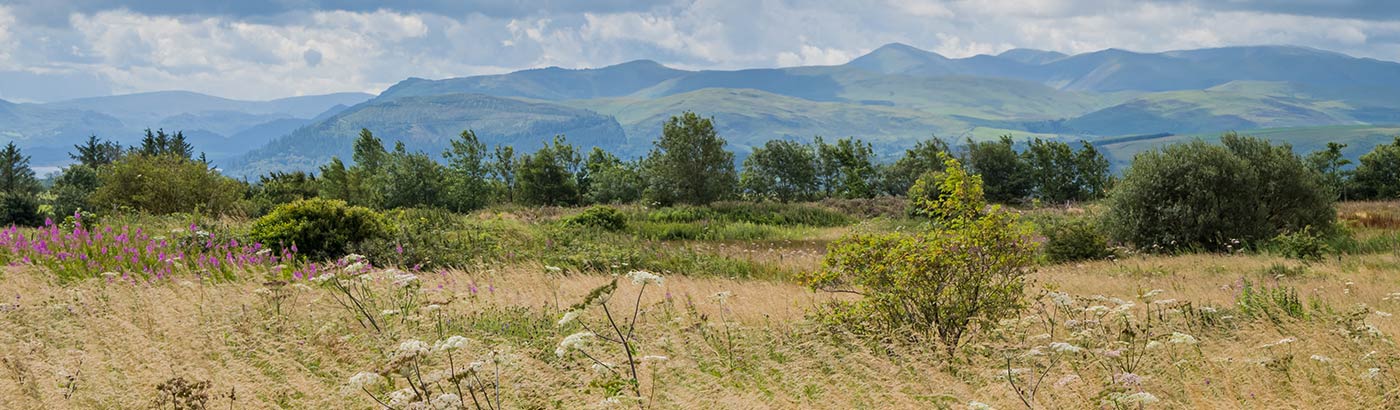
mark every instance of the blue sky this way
{"type": "Point", "coordinates": [262, 49]}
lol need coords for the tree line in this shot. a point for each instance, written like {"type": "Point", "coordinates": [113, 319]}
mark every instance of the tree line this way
{"type": "Point", "coordinates": [688, 164]}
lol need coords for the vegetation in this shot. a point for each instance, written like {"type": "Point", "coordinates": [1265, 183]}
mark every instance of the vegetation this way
{"type": "Point", "coordinates": [320, 228]}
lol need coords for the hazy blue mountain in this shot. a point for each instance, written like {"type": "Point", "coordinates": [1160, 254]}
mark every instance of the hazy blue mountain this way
{"type": "Point", "coordinates": [46, 133]}
{"type": "Point", "coordinates": [427, 124]}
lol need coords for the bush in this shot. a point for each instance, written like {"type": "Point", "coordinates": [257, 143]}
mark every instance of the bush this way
{"type": "Point", "coordinates": [19, 210]}
{"type": "Point", "coordinates": [602, 217]}
{"type": "Point", "coordinates": [1202, 196]}
{"type": "Point", "coordinates": [938, 284]}
{"type": "Point", "coordinates": [947, 195]}
{"type": "Point", "coordinates": [165, 184]}
{"type": "Point", "coordinates": [319, 228]}
{"type": "Point", "coordinates": [1304, 245]}
{"type": "Point", "coordinates": [432, 238]}
{"type": "Point", "coordinates": [1075, 240]}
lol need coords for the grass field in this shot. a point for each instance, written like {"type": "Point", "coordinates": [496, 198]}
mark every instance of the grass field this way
{"type": "Point", "coordinates": [1245, 330]}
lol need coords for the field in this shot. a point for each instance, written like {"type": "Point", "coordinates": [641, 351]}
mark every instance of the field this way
{"type": "Point", "coordinates": [729, 326]}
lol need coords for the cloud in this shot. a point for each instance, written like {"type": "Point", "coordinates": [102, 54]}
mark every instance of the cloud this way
{"type": "Point", "coordinates": [274, 48]}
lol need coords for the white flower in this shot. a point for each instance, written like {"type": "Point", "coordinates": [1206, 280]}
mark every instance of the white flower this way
{"type": "Point", "coordinates": [400, 398]}
{"type": "Point", "coordinates": [1123, 307]}
{"type": "Point", "coordinates": [1153, 292]}
{"type": "Point", "coordinates": [432, 308]}
{"type": "Point", "coordinates": [1154, 345]}
{"type": "Point", "coordinates": [1182, 339]}
{"type": "Point", "coordinates": [452, 343]}
{"type": "Point", "coordinates": [553, 269]}
{"type": "Point", "coordinates": [1207, 309]}
{"type": "Point", "coordinates": [389, 312]}
{"type": "Point", "coordinates": [1164, 302]}
{"type": "Point", "coordinates": [640, 277]}
{"type": "Point", "coordinates": [1062, 347]}
{"type": "Point", "coordinates": [722, 296]}
{"type": "Point", "coordinates": [355, 267]}
{"type": "Point", "coordinates": [601, 368]}
{"type": "Point", "coordinates": [977, 405]}
{"type": "Point", "coordinates": [611, 401]}
{"type": "Point", "coordinates": [1141, 397]}
{"type": "Point", "coordinates": [404, 280]}
{"type": "Point", "coordinates": [1371, 373]}
{"type": "Point", "coordinates": [324, 277]}
{"type": "Point", "coordinates": [1280, 342]}
{"type": "Point", "coordinates": [411, 348]}
{"type": "Point", "coordinates": [1064, 381]}
{"type": "Point", "coordinates": [655, 358]}
{"type": "Point", "coordinates": [1096, 309]}
{"type": "Point", "coordinates": [1321, 358]}
{"type": "Point", "coordinates": [447, 401]}
{"type": "Point", "coordinates": [363, 380]}
{"type": "Point", "coordinates": [1061, 298]}
{"type": "Point", "coordinates": [110, 274]}
{"type": "Point", "coordinates": [569, 317]}
{"type": "Point", "coordinates": [1383, 314]}
{"type": "Point", "coordinates": [572, 342]}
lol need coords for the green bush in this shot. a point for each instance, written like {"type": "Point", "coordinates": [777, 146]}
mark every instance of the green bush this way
{"type": "Point", "coordinates": [19, 210]}
{"type": "Point", "coordinates": [598, 216]}
{"type": "Point", "coordinates": [433, 238]}
{"type": "Point", "coordinates": [318, 228]}
{"type": "Point", "coordinates": [947, 195]}
{"type": "Point", "coordinates": [1211, 197]}
{"type": "Point", "coordinates": [165, 184]}
{"type": "Point", "coordinates": [1304, 245]}
{"type": "Point", "coordinates": [1075, 240]}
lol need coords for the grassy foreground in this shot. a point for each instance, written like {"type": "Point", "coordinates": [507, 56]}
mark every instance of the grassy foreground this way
{"type": "Point", "coordinates": [1215, 331]}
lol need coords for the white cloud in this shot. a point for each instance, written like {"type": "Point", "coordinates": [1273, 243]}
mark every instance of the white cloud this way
{"type": "Point", "coordinates": [272, 56]}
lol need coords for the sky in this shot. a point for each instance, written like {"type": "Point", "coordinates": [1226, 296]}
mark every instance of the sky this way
{"type": "Point", "coordinates": [263, 49]}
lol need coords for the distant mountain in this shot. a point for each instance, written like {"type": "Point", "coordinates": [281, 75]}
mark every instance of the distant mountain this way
{"type": "Point", "coordinates": [551, 83]}
{"type": "Point", "coordinates": [427, 124]}
{"type": "Point", "coordinates": [220, 127]}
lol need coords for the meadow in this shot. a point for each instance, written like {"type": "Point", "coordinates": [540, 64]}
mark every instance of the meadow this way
{"type": "Point", "coordinates": [487, 308]}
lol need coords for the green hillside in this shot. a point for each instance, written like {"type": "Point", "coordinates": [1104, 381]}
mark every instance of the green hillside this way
{"type": "Point", "coordinates": [1359, 139]}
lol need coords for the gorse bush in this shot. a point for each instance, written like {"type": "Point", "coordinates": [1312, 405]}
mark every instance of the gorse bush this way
{"type": "Point", "coordinates": [1202, 196]}
{"type": "Point", "coordinates": [1075, 240]}
{"type": "Point", "coordinates": [601, 217]}
{"type": "Point", "coordinates": [318, 228]}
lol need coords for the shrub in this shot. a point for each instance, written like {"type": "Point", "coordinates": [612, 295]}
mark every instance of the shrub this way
{"type": "Point", "coordinates": [1075, 240]}
{"type": "Point", "coordinates": [1210, 197]}
{"type": "Point", "coordinates": [947, 195]}
{"type": "Point", "coordinates": [19, 210]}
{"type": "Point", "coordinates": [940, 283]}
{"type": "Point", "coordinates": [602, 217]}
{"type": "Point", "coordinates": [1304, 245]}
{"type": "Point", "coordinates": [165, 184]}
{"type": "Point", "coordinates": [319, 228]}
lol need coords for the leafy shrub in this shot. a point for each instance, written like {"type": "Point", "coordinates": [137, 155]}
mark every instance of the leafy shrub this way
{"type": "Point", "coordinates": [1210, 197]}
{"type": "Point", "coordinates": [940, 283]}
{"type": "Point", "coordinates": [1075, 240]}
{"type": "Point", "coordinates": [164, 184]}
{"type": "Point", "coordinates": [19, 210]}
{"type": "Point", "coordinates": [1304, 245]}
{"type": "Point", "coordinates": [319, 228]}
{"type": "Point", "coordinates": [602, 217]}
{"type": "Point", "coordinates": [947, 195]}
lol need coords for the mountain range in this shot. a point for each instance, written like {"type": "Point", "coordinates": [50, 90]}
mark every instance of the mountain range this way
{"type": "Point", "coordinates": [892, 96]}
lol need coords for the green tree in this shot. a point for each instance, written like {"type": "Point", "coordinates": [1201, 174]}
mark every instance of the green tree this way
{"type": "Point", "coordinates": [948, 195]}
{"type": "Point", "coordinates": [847, 169]}
{"type": "Point", "coordinates": [1293, 195]}
{"type": "Point", "coordinates": [502, 170]}
{"type": "Point", "coordinates": [19, 204]}
{"type": "Point", "coordinates": [1005, 173]}
{"type": "Point", "coordinates": [96, 152]}
{"type": "Point", "coordinates": [164, 184]}
{"type": "Point", "coordinates": [412, 179]}
{"type": "Point", "coordinates": [1091, 172]}
{"type": "Point", "coordinates": [781, 170]}
{"type": "Point", "coordinates": [548, 176]}
{"type": "Point", "coordinates": [689, 163]}
{"type": "Point", "coordinates": [1332, 163]}
{"type": "Point", "coordinates": [467, 173]}
{"type": "Point", "coordinates": [610, 180]}
{"type": "Point", "coordinates": [71, 189]}
{"type": "Point", "coordinates": [160, 143]}
{"type": "Point", "coordinates": [278, 188]}
{"type": "Point", "coordinates": [1378, 172]}
{"type": "Point", "coordinates": [922, 158]}
{"type": "Point", "coordinates": [1052, 171]}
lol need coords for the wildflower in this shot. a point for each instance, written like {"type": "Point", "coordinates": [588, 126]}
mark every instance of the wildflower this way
{"type": "Point", "coordinates": [1061, 298]}
{"type": "Point", "coordinates": [452, 343]}
{"type": "Point", "coordinates": [412, 348]}
{"type": "Point", "coordinates": [1153, 345]}
{"type": "Point", "coordinates": [432, 308]}
{"type": "Point", "coordinates": [602, 368]}
{"type": "Point", "coordinates": [447, 401]}
{"type": "Point", "coordinates": [611, 401]}
{"type": "Point", "coordinates": [1207, 309]}
{"type": "Point", "coordinates": [640, 277]}
{"type": "Point", "coordinates": [1371, 373]}
{"type": "Point", "coordinates": [1153, 292]}
{"type": "Point", "coordinates": [722, 296]}
{"type": "Point", "coordinates": [553, 269]}
{"type": "Point", "coordinates": [355, 267]}
{"type": "Point", "coordinates": [654, 358]}
{"type": "Point", "coordinates": [977, 405]}
{"type": "Point", "coordinates": [363, 380]}
{"type": "Point", "coordinates": [1128, 379]}
{"type": "Point", "coordinates": [569, 317]}
{"type": "Point", "coordinates": [1141, 397]}
{"type": "Point", "coordinates": [1062, 347]}
{"type": "Point", "coordinates": [1281, 342]}
{"type": "Point", "coordinates": [1164, 302]}
{"type": "Point", "coordinates": [572, 342]}
{"type": "Point", "coordinates": [1383, 314]}
{"type": "Point", "coordinates": [1321, 358]}
{"type": "Point", "coordinates": [1182, 339]}
{"type": "Point", "coordinates": [1096, 309]}
{"type": "Point", "coordinates": [389, 312]}
{"type": "Point", "coordinates": [404, 280]}
{"type": "Point", "coordinates": [1123, 307]}
{"type": "Point", "coordinates": [401, 398]}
